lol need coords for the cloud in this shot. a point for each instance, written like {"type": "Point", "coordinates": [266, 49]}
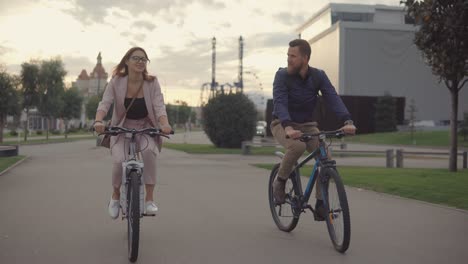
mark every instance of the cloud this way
{"type": "Point", "coordinates": [290, 19]}
{"type": "Point", "coordinates": [94, 11]}
{"type": "Point", "coordinates": [144, 24]}
{"type": "Point", "coordinates": [5, 50]}
{"type": "Point", "coordinates": [8, 7]}
{"type": "Point", "coordinates": [273, 39]}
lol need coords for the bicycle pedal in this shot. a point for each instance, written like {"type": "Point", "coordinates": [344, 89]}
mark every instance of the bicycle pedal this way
{"type": "Point", "coordinates": [149, 214]}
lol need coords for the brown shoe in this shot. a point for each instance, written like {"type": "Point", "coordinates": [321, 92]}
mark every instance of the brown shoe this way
{"type": "Point", "coordinates": [278, 190]}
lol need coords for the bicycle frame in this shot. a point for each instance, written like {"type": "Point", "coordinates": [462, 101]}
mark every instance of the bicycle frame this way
{"type": "Point", "coordinates": [129, 165]}
{"type": "Point", "coordinates": [320, 154]}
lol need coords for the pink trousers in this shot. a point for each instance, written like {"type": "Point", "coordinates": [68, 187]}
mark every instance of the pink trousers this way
{"type": "Point", "coordinates": [146, 146]}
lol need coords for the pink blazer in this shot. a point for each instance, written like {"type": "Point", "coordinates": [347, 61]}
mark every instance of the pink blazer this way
{"type": "Point", "coordinates": [116, 91]}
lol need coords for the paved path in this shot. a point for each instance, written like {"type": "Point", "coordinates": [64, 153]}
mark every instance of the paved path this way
{"type": "Point", "coordinates": [212, 210]}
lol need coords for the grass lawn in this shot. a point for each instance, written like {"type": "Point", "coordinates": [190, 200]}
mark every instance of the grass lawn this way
{"type": "Point", "coordinates": [211, 149]}
{"type": "Point", "coordinates": [6, 162]}
{"type": "Point", "coordinates": [43, 141]}
{"type": "Point", "coordinates": [422, 138]}
{"type": "Point", "coordinates": [431, 185]}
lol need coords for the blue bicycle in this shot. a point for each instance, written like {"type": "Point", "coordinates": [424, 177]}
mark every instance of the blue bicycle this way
{"type": "Point", "coordinates": [286, 215]}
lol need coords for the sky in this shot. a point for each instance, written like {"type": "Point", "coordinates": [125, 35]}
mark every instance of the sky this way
{"type": "Point", "coordinates": [176, 34]}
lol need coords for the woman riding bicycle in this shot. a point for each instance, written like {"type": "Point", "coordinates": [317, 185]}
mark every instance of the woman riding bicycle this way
{"type": "Point", "coordinates": [138, 103]}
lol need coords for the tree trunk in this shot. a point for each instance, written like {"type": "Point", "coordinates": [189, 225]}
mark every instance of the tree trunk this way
{"type": "Point", "coordinates": [47, 129]}
{"type": "Point", "coordinates": [66, 129]}
{"type": "Point", "coordinates": [1, 128]}
{"type": "Point", "coordinates": [26, 125]}
{"type": "Point", "coordinates": [453, 128]}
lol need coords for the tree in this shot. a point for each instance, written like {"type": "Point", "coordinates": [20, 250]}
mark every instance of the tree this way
{"type": "Point", "coordinates": [9, 99]}
{"type": "Point", "coordinates": [30, 90]}
{"type": "Point", "coordinates": [464, 126]}
{"type": "Point", "coordinates": [412, 117]}
{"type": "Point", "coordinates": [72, 100]}
{"type": "Point", "coordinates": [442, 38]}
{"type": "Point", "coordinates": [229, 119]}
{"type": "Point", "coordinates": [179, 113]}
{"type": "Point", "coordinates": [92, 105]}
{"type": "Point", "coordinates": [385, 114]}
{"type": "Point", "coordinates": [51, 89]}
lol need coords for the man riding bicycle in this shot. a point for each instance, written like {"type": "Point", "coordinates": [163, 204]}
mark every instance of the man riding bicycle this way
{"type": "Point", "coordinates": [295, 92]}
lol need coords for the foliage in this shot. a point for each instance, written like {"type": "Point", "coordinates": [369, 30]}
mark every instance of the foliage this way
{"type": "Point", "coordinates": [30, 88]}
{"type": "Point", "coordinates": [72, 100]}
{"type": "Point", "coordinates": [51, 89]}
{"type": "Point", "coordinates": [9, 99]}
{"type": "Point", "coordinates": [385, 114]}
{"type": "Point", "coordinates": [464, 127]}
{"type": "Point", "coordinates": [229, 119]}
{"type": "Point", "coordinates": [180, 113]}
{"type": "Point", "coordinates": [442, 38]}
{"type": "Point", "coordinates": [92, 105]}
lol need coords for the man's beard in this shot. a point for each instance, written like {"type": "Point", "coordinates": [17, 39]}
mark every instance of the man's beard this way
{"type": "Point", "coordinates": [294, 70]}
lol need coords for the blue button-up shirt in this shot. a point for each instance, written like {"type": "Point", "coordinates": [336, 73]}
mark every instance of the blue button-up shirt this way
{"type": "Point", "coordinates": [294, 98]}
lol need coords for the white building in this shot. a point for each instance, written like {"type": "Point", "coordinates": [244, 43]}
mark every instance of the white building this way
{"type": "Point", "coordinates": [368, 50]}
{"type": "Point", "coordinates": [92, 84]}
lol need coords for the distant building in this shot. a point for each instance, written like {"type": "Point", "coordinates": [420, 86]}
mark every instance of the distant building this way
{"type": "Point", "coordinates": [92, 84]}
{"type": "Point", "coordinates": [367, 50]}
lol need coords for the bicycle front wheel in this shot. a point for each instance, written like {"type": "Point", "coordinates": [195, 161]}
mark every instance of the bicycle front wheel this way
{"type": "Point", "coordinates": [133, 216]}
{"type": "Point", "coordinates": [338, 219]}
{"type": "Point", "coordinates": [283, 214]}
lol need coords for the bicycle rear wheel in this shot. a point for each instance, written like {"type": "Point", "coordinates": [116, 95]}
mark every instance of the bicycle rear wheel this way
{"type": "Point", "coordinates": [133, 216]}
{"type": "Point", "coordinates": [283, 214]}
{"type": "Point", "coordinates": [338, 219]}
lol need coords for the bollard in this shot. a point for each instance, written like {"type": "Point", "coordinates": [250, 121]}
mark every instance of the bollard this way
{"type": "Point", "coordinates": [245, 148]}
{"type": "Point", "coordinates": [465, 154]}
{"type": "Point", "coordinates": [389, 158]}
{"type": "Point", "coordinates": [399, 158]}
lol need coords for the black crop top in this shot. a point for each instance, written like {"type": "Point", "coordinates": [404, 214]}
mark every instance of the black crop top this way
{"type": "Point", "coordinates": [138, 109]}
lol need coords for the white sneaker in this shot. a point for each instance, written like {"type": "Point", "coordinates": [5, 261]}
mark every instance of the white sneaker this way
{"type": "Point", "coordinates": [114, 208]}
{"type": "Point", "coordinates": [151, 207]}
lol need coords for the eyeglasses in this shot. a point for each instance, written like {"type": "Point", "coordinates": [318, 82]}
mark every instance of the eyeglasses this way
{"type": "Point", "coordinates": [139, 59]}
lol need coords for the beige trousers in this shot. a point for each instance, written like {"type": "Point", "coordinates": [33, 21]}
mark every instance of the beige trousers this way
{"type": "Point", "coordinates": [294, 149]}
{"type": "Point", "coordinates": [145, 143]}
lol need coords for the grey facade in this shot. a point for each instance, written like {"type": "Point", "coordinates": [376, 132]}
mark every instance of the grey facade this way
{"type": "Point", "coordinates": [369, 51]}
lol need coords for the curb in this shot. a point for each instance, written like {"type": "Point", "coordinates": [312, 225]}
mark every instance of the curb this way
{"type": "Point", "coordinates": [14, 165]}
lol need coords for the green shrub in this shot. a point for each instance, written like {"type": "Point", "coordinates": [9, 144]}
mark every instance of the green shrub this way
{"type": "Point", "coordinates": [385, 114]}
{"type": "Point", "coordinates": [55, 132]}
{"type": "Point", "coordinates": [39, 132]}
{"type": "Point", "coordinates": [13, 133]}
{"type": "Point", "coordinates": [229, 119]}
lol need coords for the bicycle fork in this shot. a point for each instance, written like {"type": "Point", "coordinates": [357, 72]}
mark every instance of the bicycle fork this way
{"type": "Point", "coordinates": [127, 168]}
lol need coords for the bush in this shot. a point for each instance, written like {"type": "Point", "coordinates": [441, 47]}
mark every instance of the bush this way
{"type": "Point", "coordinates": [385, 114]}
{"type": "Point", "coordinates": [73, 130]}
{"type": "Point", "coordinates": [13, 133]}
{"type": "Point", "coordinates": [39, 132]}
{"type": "Point", "coordinates": [55, 132]}
{"type": "Point", "coordinates": [229, 119]}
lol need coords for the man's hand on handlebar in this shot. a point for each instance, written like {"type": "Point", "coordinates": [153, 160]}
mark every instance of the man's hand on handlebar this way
{"type": "Point", "coordinates": [292, 133]}
{"type": "Point", "coordinates": [349, 129]}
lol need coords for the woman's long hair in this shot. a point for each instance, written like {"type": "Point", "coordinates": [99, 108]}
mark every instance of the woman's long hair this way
{"type": "Point", "coordinates": [121, 69]}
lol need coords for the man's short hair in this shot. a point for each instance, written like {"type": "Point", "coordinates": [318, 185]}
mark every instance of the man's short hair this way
{"type": "Point", "coordinates": [304, 46]}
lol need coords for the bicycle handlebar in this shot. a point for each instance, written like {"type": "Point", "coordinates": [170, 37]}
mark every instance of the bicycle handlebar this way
{"type": "Point", "coordinates": [322, 134]}
{"type": "Point", "coordinates": [151, 131]}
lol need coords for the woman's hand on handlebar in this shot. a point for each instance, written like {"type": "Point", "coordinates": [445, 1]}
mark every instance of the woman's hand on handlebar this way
{"type": "Point", "coordinates": [166, 129]}
{"type": "Point", "coordinates": [99, 127]}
